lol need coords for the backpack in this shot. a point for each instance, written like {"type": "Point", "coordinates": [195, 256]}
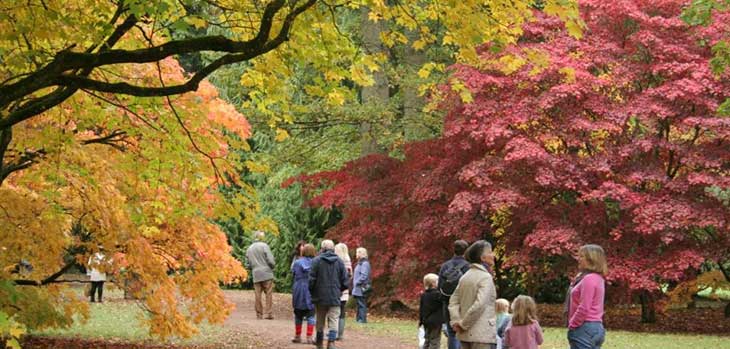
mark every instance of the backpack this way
{"type": "Point", "coordinates": [450, 277]}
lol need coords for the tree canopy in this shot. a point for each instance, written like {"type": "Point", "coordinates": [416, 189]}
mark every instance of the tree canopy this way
{"type": "Point", "coordinates": [556, 142]}
{"type": "Point", "coordinates": [106, 142]}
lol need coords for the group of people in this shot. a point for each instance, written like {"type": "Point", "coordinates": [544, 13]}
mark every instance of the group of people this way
{"type": "Point", "coordinates": [462, 301]}
{"type": "Point", "coordinates": [323, 283]}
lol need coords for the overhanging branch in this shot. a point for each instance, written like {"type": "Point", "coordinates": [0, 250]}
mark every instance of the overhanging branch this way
{"type": "Point", "coordinates": [46, 281]}
{"type": "Point", "coordinates": [61, 70]}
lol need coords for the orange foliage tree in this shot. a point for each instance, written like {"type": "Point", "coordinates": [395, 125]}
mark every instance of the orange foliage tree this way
{"type": "Point", "coordinates": [91, 177]}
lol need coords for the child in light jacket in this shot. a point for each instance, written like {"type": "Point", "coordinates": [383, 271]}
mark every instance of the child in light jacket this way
{"type": "Point", "coordinates": [503, 319]}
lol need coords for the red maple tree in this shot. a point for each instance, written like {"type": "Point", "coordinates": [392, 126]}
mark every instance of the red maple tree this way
{"type": "Point", "coordinates": [613, 139]}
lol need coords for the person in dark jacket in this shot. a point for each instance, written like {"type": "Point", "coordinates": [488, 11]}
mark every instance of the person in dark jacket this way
{"type": "Point", "coordinates": [456, 263]}
{"type": "Point", "coordinates": [431, 312]}
{"type": "Point", "coordinates": [301, 298]}
{"type": "Point", "coordinates": [327, 279]}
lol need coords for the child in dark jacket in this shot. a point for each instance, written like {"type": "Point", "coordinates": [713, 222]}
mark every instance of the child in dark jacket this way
{"type": "Point", "coordinates": [431, 314]}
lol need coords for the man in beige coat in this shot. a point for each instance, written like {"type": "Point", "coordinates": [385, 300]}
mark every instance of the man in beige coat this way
{"type": "Point", "coordinates": [471, 307]}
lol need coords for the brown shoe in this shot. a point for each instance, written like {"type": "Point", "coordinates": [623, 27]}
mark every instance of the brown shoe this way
{"type": "Point", "coordinates": [310, 340]}
{"type": "Point", "coordinates": [297, 339]}
{"type": "Point", "coordinates": [269, 317]}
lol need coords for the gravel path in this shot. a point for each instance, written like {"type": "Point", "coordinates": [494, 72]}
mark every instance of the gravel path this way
{"type": "Point", "coordinates": [277, 333]}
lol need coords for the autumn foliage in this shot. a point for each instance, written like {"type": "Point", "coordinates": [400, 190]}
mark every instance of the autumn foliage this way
{"type": "Point", "coordinates": [555, 142]}
{"type": "Point", "coordinates": [138, 177]}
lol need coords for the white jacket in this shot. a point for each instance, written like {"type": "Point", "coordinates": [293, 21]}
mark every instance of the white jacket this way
{"type": "Point", "coordinates": [94, 262]}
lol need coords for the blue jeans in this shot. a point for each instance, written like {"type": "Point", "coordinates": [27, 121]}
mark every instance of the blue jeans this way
{"type": "Point", "coordinates": [590, 335]}
{"type": "Point", "coordinates": [362, 309]}
{"type": "Point", "coordinates": [451, 341]}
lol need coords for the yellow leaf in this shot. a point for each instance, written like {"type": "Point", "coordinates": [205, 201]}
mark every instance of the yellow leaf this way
{"type": "Point", "coordinates": [335, 98]}
{"type": "Point", "coordinates": [374, 16]}
{"type": "Point", "coordinates": [419, 44]}
{"type": "Point", "coordinates": [569, 74]}
{"type": "Point", "coordinates": [196, 22]}
{"type": "Point", "coordinates": [575, 29]}
{"type": "Point", "coordinates": [358, 75]}
{"type": "Point", "coordinates": [13, 343]}
{"type": "Point", "coordinates": [424, 72]}
{"type": "Point", "coordinates": [427, 68]}
{"type": "Point", "coordinates": [16, 331]}
{"type": "Point", "coordinates": [332, 75]}
{"type": "Point", "coordinates": [256, 167]}
{"type": "Point", "coordinates": [371, 63]}
{"type": "Point", "coordinates": [281, 135]}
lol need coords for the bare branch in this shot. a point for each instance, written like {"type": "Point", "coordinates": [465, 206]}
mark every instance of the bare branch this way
{"type": "Point", "coordinates": [111, 139]}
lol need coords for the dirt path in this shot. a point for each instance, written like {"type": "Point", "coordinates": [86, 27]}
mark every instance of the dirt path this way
{"type": "Point", "coordinates": [277, 333]}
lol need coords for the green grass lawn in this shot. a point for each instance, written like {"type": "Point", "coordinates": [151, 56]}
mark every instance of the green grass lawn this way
{"type": "Point", "coordinates": [721, 294]}
{"type": "Point", "coordinates": [555, 337]}
{"type": "Point", "coordinates": [122, 321]}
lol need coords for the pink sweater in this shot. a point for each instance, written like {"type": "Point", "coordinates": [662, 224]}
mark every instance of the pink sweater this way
{"type": "Point", "coordinates": [523, 337]}
{"type": "Point", "coordinates": [586, 301]}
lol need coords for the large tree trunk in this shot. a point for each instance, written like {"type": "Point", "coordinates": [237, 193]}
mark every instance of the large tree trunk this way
{"type": "Point", "coordinates": [377, 95]}
{"type": "Point", "coordinates": [412, 102]}
{"type": "Point", "coordinates": [648, 312]}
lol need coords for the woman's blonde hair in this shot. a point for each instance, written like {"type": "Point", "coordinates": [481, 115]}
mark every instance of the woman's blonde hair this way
{"type": "Point", "coordinates": [431, 280]}
{"type": "Point", "coordinates": [524, 311]}
{"type": "Point", "coordinates": [502, 306]}
{"type": "Point", "coordinates": [361, 252]}
{"type": "Point", "coordinates": [595, 258]}
{"type": "Point", "coordinates": [341, 251]}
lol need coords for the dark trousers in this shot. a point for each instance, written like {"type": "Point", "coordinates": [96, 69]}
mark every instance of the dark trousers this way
{"type": "Point", "coordinates": [341, 327]}
{"type": "Point", "coordinates": [362, 309]}
{"type": "Point", "coordinates": [433, 338]}
{"type": "Point", "coordinates": [98, 287]}
{"type": "Point", "coordinates": [451, 340]}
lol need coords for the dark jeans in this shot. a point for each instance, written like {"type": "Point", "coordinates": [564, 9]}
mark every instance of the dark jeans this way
{"type": "Point", "coordinates": [362, 309]}
{"type": "Point", "coordinates": [98, 287]}
{"type": "Point", "coordinates": [451, 340]}
{"type": "Point", "coordinates": [590, 335]}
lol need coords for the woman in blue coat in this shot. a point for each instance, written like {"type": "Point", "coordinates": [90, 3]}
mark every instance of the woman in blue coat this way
{"type": "Point", "coordinates": [301, 298]}
{"type": "Point", "coordinates": [362, 284]}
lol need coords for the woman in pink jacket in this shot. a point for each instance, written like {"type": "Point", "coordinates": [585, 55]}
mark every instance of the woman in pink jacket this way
{"type": "Point", "coordinates": [585, 300]}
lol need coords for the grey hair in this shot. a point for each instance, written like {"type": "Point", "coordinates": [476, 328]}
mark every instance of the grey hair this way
{"type": "Point", "coordinates": [361, 252]}
{"type": "Point", "coordinates": [328, 245]}
{"type": "Point", "coordinates": [258, 235]}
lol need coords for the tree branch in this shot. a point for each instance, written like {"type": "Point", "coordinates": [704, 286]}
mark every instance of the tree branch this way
{"type": "Point", "coordinates": [57, 71]}
{"type": "Point", "coordinates": [110, 139]}
{"type": "Point", "coordinates": [23, 162]}
{"type": "Point", "coordinates": [48, 280]}
{"type": "Point", "coordinates": [6, 136]}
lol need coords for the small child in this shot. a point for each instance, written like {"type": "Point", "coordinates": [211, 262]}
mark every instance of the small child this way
{"type": "Point", "coordinates": [431, 313]}
{"type": "Point", "coordinates": [524, 331]}
{"type": "Point", "coordinates": [503, 318]}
